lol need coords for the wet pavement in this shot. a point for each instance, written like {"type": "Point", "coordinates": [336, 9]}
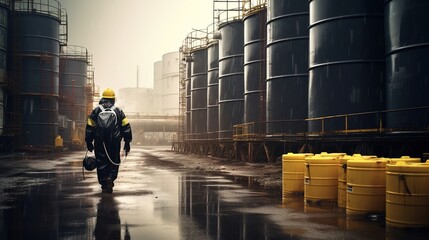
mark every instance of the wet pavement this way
{"type": "Point", "coordinates": [46, 197]}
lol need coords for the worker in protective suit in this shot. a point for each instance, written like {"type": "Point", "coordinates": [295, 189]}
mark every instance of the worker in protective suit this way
{"type": "Point", "coordinates": [106, 127]}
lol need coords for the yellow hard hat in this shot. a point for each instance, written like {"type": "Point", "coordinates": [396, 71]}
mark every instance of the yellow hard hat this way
{"type": "Point", "coordinates": [108, 93]}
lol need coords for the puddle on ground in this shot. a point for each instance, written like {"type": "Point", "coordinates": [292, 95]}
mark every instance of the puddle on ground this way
{"type": "Point", "coordinates": [152, 203]}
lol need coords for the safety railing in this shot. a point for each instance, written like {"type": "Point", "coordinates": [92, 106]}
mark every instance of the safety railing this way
{"type": "Point", "coordinates": [245, 131]}
{"type": "Point", "coordinates": [48, 7]}
{"type": "Point", "coordinates": [75, 52]}
{"type": "Point", "coordinates": [253, 6]}
{"type": "Point", "coordinates": [364, 122]}
{"type": "Point", "coordinates": [194, 40]}
{"type": "Point", "coordinates": [227, 10]}
{"type": "Point", "coordinates": [212, 33]}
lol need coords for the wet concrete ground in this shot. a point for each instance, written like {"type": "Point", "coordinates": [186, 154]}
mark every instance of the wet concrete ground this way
{"type": "Point", "coordinates": [46, 197]}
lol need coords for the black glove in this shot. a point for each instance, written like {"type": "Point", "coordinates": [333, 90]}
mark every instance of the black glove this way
{"type": "Point", "coordinates": [127, 148]}
{"type": "Point", "coordinates": [89, 146]}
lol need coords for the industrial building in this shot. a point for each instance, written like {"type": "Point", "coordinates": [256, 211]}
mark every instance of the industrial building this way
{"type": "Point", "coordinates": [271, 76]}
{"type": "Point", "coordinates": [153, 112]}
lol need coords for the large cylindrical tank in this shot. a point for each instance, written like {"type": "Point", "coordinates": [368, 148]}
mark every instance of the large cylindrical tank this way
{"type": "Point", "coordinates": [231, 77]}
{"type": "Point", "coordinates": [170, 80]}
{"type": "Point", "coordinates": [346, 63]}
{"type": "Point", "coordinates": [407, 58]}
{"type": "Point", "coordinates": [188, 100]}
{"type": "Point", "coordinates": [199, 94]}
{"type": "Point", "coordinates": [36, 64]}
{"type": "Point", "coordinates": [213, 90]}
{"type": "Point", "coordinates": [287, 66]}
{"type": "Point", "coordinates": [72, 84]}
{"type": "Point", "coordinates": [255, 69]}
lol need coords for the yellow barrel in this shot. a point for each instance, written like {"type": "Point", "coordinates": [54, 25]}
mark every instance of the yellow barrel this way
{"type": "Point", "coordinates": [59, 142]}
{"type": "Point", "coordinates": [342, 176]}
{"type": "Point", "coordinates": [407, 194]}
{"type": "Point", "coordinates": [321, 178]}
{"type": "Point", "coordinates": [342, 180]}
{"type": "Point", "coordinates": [293, 172]}
{"type": "Point", "coordinates": [366, 186]}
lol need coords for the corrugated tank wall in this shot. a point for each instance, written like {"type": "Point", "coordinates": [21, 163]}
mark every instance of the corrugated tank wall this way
{"type": "Point", "coordinates": [255, 69]}
{"type": "Point", "coordinates": [407, 59]}
{"type": "Point", "coordinates": [213, 90]}
{"type": "Point", "coordinates": [170, 80]}
{"type": "Point", "coordinates": [36, 37]}
{"type": "Point", "coordinates": [287, 66]}
{"type": "Point", "coordinates": [72, 83]}
{"type": "Point", "coordinates": [231, 77]}
{"type": "Point", "coordinates": [346, 63]}
{"type": "Point", "coordinates": [188, 100]}
{"type": "Point", "coordinates": [199, 94]}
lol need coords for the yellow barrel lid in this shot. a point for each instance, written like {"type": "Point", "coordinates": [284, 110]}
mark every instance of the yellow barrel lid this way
{"type": "Point", "coordinates": [346, 158]}
{"type": "Point", "coordinates": [296, 156]}
{"type": "Point", "coordinates": [408, 167]}
{"type": "Point", "coordinates": [404, 159]}
{"type": "Point", "coordinates": [364, 156]}
{"type": "Point", "coordinates": [326, 154]}
{"type": "Point", "coordinates": [372, 162]}
{"type": "Point", "coordinates": [355, 156]}
{"type": "Point", "coordinates": [321, 160]}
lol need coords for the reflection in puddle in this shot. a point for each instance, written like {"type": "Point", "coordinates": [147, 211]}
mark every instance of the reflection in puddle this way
{"type": "Point", "coordinates": [216, 209]}
{"type": "Point", "coordinates": [150, 203]}
{"type": "Point", "coordinates": [108, 224]}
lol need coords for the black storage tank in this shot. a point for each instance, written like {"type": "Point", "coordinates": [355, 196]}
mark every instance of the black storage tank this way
{"type": "Point", "coordinates": [72, 83]}
{"type": "Point", "coordinates": [188, 98]}
{"type": "Point", "coordinates": [199, 94]}
{"type": "Point", "coordinates": [231, 77]}
{"type": "Point", "coordinates": [287, 66]}
{"type": "Point", "coordinates": [346, 63]}
{"type": "Point", "coordinates": [255, 70]}
{"type": "Point", "coordinates": [36, 38]}
{"type": "Point", "coordinates": [213, 90]}
{"type": "Point", "coordinates": [407, 59]}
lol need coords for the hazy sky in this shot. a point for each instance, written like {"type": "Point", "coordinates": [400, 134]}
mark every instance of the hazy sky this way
{"type": "Point", "coordinates": [121, 34]}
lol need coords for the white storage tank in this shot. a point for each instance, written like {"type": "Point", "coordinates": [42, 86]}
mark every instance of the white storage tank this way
{"type": "Point", "coordinates": [170, 83]}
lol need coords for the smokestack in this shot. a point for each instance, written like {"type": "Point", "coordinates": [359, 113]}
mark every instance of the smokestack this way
{"type": "Point", "coordinates": [137, 76]}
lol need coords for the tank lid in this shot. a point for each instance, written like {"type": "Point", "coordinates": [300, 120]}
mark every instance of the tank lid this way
{"type": "Point", "coordinates": [408, 167]}
{"type": "Point", "coordinates": [321, 160]}
{"type": "Point", "coordinates": [373, 162]}
{"type": "Point", "coordinates": [296, 156]}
